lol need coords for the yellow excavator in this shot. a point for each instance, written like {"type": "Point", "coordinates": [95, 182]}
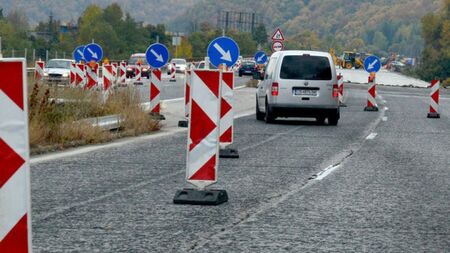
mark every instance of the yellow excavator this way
{"type": "Point", "coordinates": [351, 59]}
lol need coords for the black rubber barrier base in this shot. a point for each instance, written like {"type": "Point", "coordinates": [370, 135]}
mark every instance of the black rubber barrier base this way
{"type": "Point", "coordinates": [371, 109]}
{"type": "Point", "coordinates": [342, 105]}
{"type": "Point", "coordinates": [200, 197]}
{"type": "Point", "coordinates": [172, 80]}
{"type": "Point", "coordinates": [433, 115]}
{"type": "Point", "coordinates": [183, 123]}
{"type": "Point", "coordinates": [157, 116]}
{"type": "Point", "coordinates": [228, 153]}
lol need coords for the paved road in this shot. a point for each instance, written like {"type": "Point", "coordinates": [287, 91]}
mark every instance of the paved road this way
{"type": "Point", "coordinates": [378, 182]}
{"type": "Point", "coordinates": [173, 90]}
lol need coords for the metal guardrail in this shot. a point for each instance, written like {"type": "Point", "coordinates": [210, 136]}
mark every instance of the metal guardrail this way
{"type": "Point", "coordinates": [107, 123]}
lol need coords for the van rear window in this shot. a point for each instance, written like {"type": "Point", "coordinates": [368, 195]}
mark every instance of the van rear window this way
{"type": "Point", "coordinates": [303, 67]}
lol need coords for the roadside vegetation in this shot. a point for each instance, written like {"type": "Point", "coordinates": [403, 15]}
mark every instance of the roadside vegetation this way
{"type": "Point", "coordinates": [54, 124]}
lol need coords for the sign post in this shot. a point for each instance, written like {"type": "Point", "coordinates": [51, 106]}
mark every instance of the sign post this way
{"type": "Point", "coordinates": [372, 65]}
{"type": "Point", "coordinates": [157, 56]}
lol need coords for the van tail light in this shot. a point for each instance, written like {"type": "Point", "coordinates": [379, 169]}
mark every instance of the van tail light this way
{"type": "Point", "coordinates": [275, 89]}
{"type": "Point", "coordinates": [335, 90]}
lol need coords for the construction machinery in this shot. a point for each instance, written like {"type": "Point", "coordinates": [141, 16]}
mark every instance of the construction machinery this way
{"type": "Point", "coordinates": [351, 59]}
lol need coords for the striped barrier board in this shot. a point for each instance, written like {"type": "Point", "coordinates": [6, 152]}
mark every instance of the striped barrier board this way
{"type": "Point", "coordinates": [434, 100]}
{"type": "Point", "coordinates": [73, 74]}
{"type": "Point", "coordinates": [39, 71]}
{"type": "Point", "coordinates": [371, 95]}
{"type": "Point", "coordinates": [340, 83]}
{"type": "Point", "coordinates": [122, 73]}
{"type": "Point", "coordinates": [80, 77]}
{"type": "Point", "coordinates": [203, 140]}
{"type": "Point", "coordinates": [155, 94]}
{"type": "Point", "coordinates": [15, 220]}
{"type": "Point", "coordinates": [91, 75]}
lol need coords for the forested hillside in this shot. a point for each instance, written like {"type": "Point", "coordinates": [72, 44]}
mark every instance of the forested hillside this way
{"type": "Point", "coordinates": [380, 26]}
{"type": "Point", "coordinates": [150, 11]}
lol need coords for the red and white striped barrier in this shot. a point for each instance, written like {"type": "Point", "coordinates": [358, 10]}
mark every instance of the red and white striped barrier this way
{"type": "Point", "coordinates": [155, 90]}
{"type": "Point", "coordinates": [91, 76]}
{"type": "Point", "coordinates": [80, 75]}
{"type": "Point", "coordinates": [73, 74]}
{"type": "Point", "coordinates": [434, 100]}
{"type": "Point", "coordinates": [15, 215]}
{"type": "Point", "coordinates": [115, 68]}
{"type": "Point", "coordinates": [138, 72]}
{"type": "Point", "coordinates": [122, 73]}
{"type": "Point", "coordinates": [203, 138]}
{"type": "Point", "coordinates": [187, 88]}
{"type": "Point", "coordinates": [173, 72]}
{"type": "Point", "coordinates": [371, 95]}
{"type": "Point", "coordinates": [340, 83]}
{"type": "Point", "coordinates": [226, 111]}
{"type": "Point", "coordinates": [108, 77]}
{"type": "Point", "coordinates": [39, 70]}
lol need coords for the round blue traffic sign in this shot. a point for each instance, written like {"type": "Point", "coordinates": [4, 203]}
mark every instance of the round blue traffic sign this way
{"type": "Point", "coordinates": [78, 54]}
{"type": "Point", "coordinates": [260, 57]}
{"type": "Point", "coordinates": [93, 52]}
{"type": "Point", "coordinates": [223, 50]}
{"type": "Point", "coordinates": [157, 55]}
{"type": "Point", "coordinates": [372, 64]}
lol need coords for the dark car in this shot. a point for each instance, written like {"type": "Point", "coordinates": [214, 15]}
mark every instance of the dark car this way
{"type": "Point", "coordinates": [132, 63]}
{"type": "Point", "coordinates": [247, 68]}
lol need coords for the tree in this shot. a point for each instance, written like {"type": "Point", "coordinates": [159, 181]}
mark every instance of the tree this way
{"type": "Point", "coordinates": [260, 35]}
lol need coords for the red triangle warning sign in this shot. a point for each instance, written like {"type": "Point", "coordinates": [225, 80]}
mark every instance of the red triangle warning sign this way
{"type": "Point", "coordinates": [278, 35]}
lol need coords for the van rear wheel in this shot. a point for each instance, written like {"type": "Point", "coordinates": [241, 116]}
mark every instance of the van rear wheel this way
{"type": "Point", "coordinates": [259, 114]}
{"type": "Point", "coordinates": [333, 119]}
{"type": "Point", "coordinates": [268, 117]}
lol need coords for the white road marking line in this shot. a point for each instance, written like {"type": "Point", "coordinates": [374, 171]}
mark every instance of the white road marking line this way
{"type": "Point", "coordinates": [384, 118]}
{"type": "Point", "coordinates": [386, 108]}
{"type": "Point", "coordinates": [371, 136]}
{"type": "Point", "coordinates": [326, 172]}
{"type": "Point", "coordinates": [384, 101]}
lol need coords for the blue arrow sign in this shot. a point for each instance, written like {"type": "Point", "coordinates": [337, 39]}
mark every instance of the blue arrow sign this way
{"type": "Point", "coordinates": [372, 64]}
{"type": "Point", "coordinates": [93, 52]}
{"type": "Point", "coordinates": [78, 54]}
{"type": "Point", "coordinates": [223, 50]}
{"type": "Point", "coordinates": [157, 55]}
{"type": "Point", "coordinates": [260, 57]}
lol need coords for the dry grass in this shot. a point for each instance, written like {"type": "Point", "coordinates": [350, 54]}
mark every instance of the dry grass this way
{"type": "Point", "coordinates": [54, 125]}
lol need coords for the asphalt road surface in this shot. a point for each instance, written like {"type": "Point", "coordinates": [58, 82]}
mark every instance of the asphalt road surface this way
{"type": "Point", "coordinates": [175, 89]}
{"type": "Point", "coordinates": [378, 182]}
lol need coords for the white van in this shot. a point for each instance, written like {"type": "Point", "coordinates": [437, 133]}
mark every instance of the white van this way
{"type": "Point", "coordinates": [298, 84]}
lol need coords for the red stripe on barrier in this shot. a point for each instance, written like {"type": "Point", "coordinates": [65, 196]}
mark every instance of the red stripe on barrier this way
{"type": "Point", "coordinates": [226, 136]}
{"type": "Point", "coordinates": [435, 96]}
{"type": "Point", "coordinates": [17, 239]}
{"type": "Point", "coordinates": [201, 125]}
{"type": "Point", "coordinates": [210, 81]}
{"type": "Point", "coordinates": [11, 85]}
{"type": "Point", "coordinates": [207, 171]}
{"type": "Point", "coordinates": [225, 107]}
{"type": "Point", "coordinates": [153, 91]}
{"type": "Point", "coordinates": [10, 162]}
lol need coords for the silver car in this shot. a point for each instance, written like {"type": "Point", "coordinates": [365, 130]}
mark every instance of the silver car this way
{"type": "Point", "coordinates": [298, 84]}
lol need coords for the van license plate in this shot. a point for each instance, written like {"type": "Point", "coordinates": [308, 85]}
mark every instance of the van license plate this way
{"type": "Point", "coordinates": [301, 92]}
